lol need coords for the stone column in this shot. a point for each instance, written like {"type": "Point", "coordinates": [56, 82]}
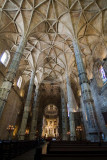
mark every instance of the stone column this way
{"type": "Point", "coordinates": [34, 114]}
{"type": "Point", "coordinates": [98, 107]}
{"type": "Point", "coordinates": [60, 124]}
{"type": "Point", "coordinates": [40, 124]}
{"type": "Point", "coordinates": [9, 79]}
{"type": "Point", "coordinates": [27, 107]}
{"type": "Point", "coordinates": [64, 116]}
{"type": "Point", "coordinates": [86, 96]}
{"type": "Point", "coordinates": [71, 110]}
{"type": "Point", "coordinates": [93, 130]}
{"type": "Point", "coordinates": [83, 110]}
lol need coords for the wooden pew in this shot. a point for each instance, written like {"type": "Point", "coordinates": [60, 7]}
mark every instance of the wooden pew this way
{"type": "Point", "coordinates": [64, 150]}
{"type": "Point", "coordinates": [11, 149]}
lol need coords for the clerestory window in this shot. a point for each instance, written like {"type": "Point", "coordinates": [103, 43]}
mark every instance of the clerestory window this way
{"type": "Point", "coordinates": [19, 82]}
{"type": "Point", "coordinates": [5, 58]}
{"type": "Point", "coordinates": [103, 75]}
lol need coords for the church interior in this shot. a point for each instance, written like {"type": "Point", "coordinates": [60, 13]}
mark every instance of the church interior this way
{"type": "Point", "coordinates": [53, 72]}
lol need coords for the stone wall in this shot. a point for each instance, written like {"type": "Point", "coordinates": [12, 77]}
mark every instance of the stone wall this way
{"type": "Point", "coordinates": [12, 109]}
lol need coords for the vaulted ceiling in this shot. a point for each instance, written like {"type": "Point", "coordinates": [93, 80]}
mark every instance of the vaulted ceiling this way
{"type": "Point", "coordinates": [46, 24]}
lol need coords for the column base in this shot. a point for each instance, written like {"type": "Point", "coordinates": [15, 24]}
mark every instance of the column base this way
{"type": "Point", "coordinates": [105, 139]}
{"type": "Point", "coordinates": [93, 137]}
{"type": "Point", "coordinates": [21, 137]}
{"type": "Point", "coordinates": [64, 137]}
{"type": "Point", "coordinates": [32, 136]}
{"type": "Point", "coordinates": [72, 138]}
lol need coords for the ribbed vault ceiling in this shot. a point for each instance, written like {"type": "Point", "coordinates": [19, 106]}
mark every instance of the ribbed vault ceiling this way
{"type": "Point", "coordinates": [46, 23]}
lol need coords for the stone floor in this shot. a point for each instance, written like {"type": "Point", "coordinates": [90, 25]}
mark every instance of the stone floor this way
{"type": "Point", "coordinates": [30, 154]}
{"type": "Point", "coordinates": [26, 156]}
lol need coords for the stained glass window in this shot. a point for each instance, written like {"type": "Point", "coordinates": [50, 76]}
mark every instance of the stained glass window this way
{"type": "Point", "coordinates": [103, 75]}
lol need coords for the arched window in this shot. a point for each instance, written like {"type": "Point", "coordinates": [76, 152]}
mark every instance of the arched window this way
{"type": "Point", "coordinates": [5, 58]}
{"type": "Point", "coordinates": [19, 82]}
{"type": "Point", "coordinates": [103, 75]}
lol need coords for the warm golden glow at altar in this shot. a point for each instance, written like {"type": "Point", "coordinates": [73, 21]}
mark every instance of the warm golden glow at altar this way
{"type": "Point", "coordinates": [51, 110]}
{"type": "Point", "coordinates": [50, 127]}
{"type": "Point", "coordinates": [50, 121]}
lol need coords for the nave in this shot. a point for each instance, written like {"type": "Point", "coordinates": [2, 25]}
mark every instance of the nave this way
{"type": "Point", "coordinates": [53, 78]}
{"type": "Point", "coordinates": [50, 150]}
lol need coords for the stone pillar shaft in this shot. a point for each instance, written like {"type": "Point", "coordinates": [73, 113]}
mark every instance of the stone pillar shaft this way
{"type": "Point", "coordinates": [83, 109]}
{"type": "Point", "coordinates": [9, 79]}
{"type": "Point", "coordinates": [92, 124]}
{"type": "Point", "coordinates": [64, 116]}
{"type": "Point", "coordinates": [27, 107]}
{"type": "Point", "coordinates": [86, 95]}
{"type": "Point", "coordinates": [60, 123]}
{"type": "Point", "coordinates": [71, 110]}
{"type": "Point", "coordinates": [34, 115]}
{"type": "Point", "coordinates": [40, 124]}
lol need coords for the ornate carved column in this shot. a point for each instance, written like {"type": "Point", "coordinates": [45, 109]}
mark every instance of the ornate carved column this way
{"type": "Point", "coordinates": [71, 110]}
{"type": "Point", "coordinates": [27, 107]}
{"type": "Point", "coordinates": [8, 81]}
{"type": "Point", "coordinates": [83, 110]}
{"type": "Point", "coordinates": [34, 114]}
{"type": "Point", "coordinates": [64, 116]}
{"type": "Point", "coordinates": [95, 93]}
{"type": "Point", "coordinates": [86, 95]}
{"type": "Point", "coordinates": [93, 130]}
